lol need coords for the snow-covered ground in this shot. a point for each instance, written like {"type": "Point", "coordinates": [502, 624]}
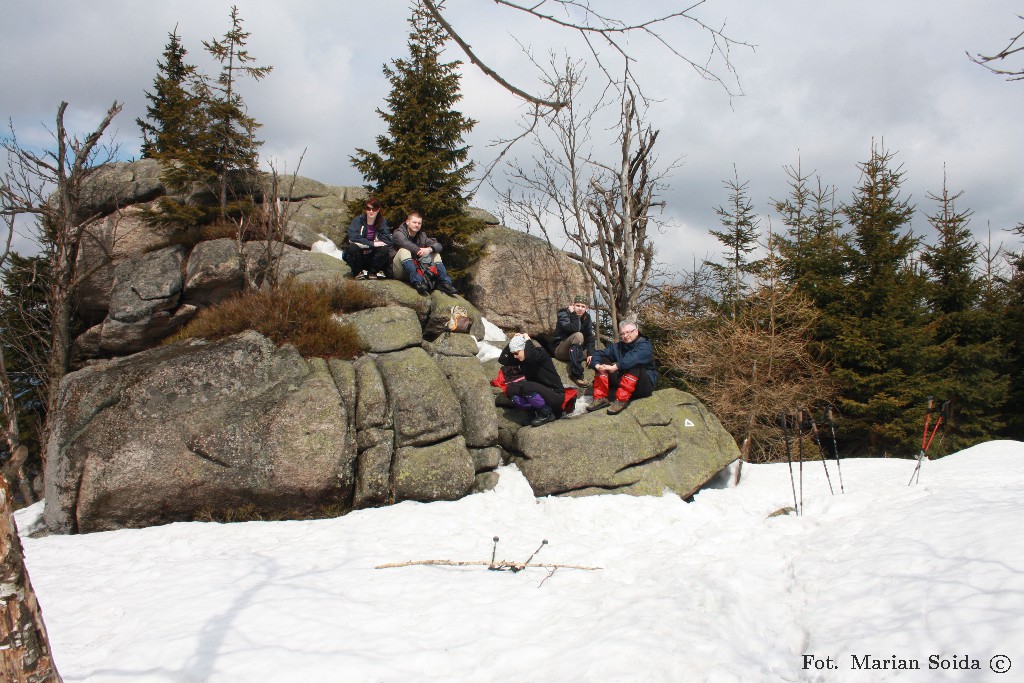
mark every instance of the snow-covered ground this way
{"type": "Point", "coordinates": [712, 590]}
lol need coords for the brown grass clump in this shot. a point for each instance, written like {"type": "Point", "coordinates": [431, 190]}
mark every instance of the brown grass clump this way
{"type": "Point", "coordinates": [302, 315]}
{"type": "Point", "coordinates": [198, 233]}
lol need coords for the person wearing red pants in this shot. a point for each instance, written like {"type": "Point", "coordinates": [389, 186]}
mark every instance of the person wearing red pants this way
{"type": "Point", "coordinates": [625, 367]}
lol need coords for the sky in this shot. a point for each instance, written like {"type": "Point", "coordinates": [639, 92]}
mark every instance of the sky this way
{"type": "Point", "coordinates": [821, 82]}
{"type": "Point", "coordinates": [712, 590]}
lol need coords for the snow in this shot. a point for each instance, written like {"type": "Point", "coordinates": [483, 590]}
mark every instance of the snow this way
{"type": "Point", "coordinates": [325, 245]}
{"type": "Point", "coordinates": [711, 590]}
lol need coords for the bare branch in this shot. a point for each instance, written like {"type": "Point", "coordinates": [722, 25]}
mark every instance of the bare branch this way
{"type": "Point", "coordinates": [1011, 49]}
{"type": "Point", "coordinates": [432, 7]}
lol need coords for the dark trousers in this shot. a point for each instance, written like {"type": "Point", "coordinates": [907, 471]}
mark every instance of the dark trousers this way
{"type": "Point", "coordinates": [373, 260]}
{"type": "Point", "coordinates": [553, 398]}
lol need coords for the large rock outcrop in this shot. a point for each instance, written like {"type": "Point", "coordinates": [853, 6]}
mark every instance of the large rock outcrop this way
{"type": "Point", "coordinates": [667, 442]}
{"type": "Point", "coordinates": [521, 281]}
{"type": "Point", "coordinates": [148, 281]}
{"type": "Point", "coordinates": [199, 428]}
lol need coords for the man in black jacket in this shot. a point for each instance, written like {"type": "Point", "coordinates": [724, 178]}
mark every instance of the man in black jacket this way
{"type": "Point", "coordinates": [574, 339]}
{"type": "Point", "coordinates": [411, 246]}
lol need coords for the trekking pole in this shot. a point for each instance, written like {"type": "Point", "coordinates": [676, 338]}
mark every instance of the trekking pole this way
{"type": "Point", "coordinates": [924, 441]}
{"type": "Point", "coordinates": [835, 446]}
{"type": "Point", "coordinates": [789, 457]}
{"type": "Point", "coordinates": [821, 449]}
{"type": "Point", "coordinates": [800, 452]}
{"type": "Point", "coordinates": [943, 415]}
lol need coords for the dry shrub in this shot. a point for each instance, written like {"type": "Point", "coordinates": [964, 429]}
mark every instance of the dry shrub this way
{"type": "Point", "coordinates": [748, 368]}
{"type": "Point", "coordinates": [193, 235]}
{"type": "Point", "coordinates": [302, 315]}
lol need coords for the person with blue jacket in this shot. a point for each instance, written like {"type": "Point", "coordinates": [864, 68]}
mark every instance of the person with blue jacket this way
{"type": "Point", "coordinates": [627, 366]}
{"type": "Point", "coordinates": [369, 243]}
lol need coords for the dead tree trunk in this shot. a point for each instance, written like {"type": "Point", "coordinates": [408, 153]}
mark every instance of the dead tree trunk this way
{"type": "Point", "coordinates": [25, 655]}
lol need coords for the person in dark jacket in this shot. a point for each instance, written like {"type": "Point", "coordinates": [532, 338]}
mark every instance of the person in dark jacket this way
{"type": "Point", "coordinates": [410, 245]}
{"type": "Point", "coordinates": [627, 366]}
{"type": "Point", "coordinates": [369, 243]}
{"type": "Point", "coordinates": [541, 391]}
{"type": "Point", "coordinates": [574, 338]}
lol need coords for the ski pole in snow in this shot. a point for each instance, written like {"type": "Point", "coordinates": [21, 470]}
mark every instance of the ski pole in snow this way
{"type": "Point", "coordinates": [783, 420]}
{"type": "Point", "coordinates": [821, 449]}
{"type": "Point", "coordinates": [835, 446]}
{"type": "Point", "coordinates": [800, 452]}
{"type": "Point", "coordinates": [926, 439]}
{"type": "Point", "coordinates": [943, 419]}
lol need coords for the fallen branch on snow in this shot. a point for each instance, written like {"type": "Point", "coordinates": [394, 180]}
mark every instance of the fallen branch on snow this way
{"type": "Point", "coordinates": [499, 566]}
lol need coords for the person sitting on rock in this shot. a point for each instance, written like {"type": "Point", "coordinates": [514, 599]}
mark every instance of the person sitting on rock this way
{"type": "Point", "coordinates": [541, 391]}
{"type": "Point", "coordinates": [627, 366]}
{"type": "Point", "coordinates": [574, 338]}
{"type": "Point", "coordinates": [369, 243]}
{"type": "Point", "coordinates": [411, 246]}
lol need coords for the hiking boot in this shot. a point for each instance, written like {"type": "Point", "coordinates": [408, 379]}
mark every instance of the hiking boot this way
{"type": "Point", "coordinates": [542, 418]}
{"type": "Point", "coordinates": [581, 382]}
{"type": "Point", "coordinates": [421, 287]}
{"type": "Point", "coordinates": [362, 275]}
{"type": "Point", "coordinates": [617, 407]}
{"type": "Point", "coordinates": [597, 404]}
{"type": "Point", "coordinates": [448, 289]}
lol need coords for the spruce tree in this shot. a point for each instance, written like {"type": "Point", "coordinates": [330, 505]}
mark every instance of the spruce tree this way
{"type": "Point", "coordinates": [174, 112]}
{"type": "Point", "coordinates": [970, 350]}
{"type": "Point", "coordinates": [421, 163]}
{"type": "Point", "coordinates": [740, 240]}
{"type": "Point", "coordinates": [813, 250]}
{"type": "Point", "coordinates": [1008, 304]}
{"type": "Point", "coordinates": [884, 348]}
{"type": "Point", "coordinates": [234, 131]}
{"type": "Point", "coordinates": [201, 133]}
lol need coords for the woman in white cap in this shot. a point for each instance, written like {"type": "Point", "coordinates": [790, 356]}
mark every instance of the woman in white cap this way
{"type": "Point", "coordinates": [541, 380]}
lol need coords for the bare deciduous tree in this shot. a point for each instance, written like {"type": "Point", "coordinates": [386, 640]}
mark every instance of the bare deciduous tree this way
{"type": "Point", "coordinates": [266, 225]}
{"type": "Point", "coordinates": [24, 646]}
{"type": "Point", "coordinates": [51, 188]}
{"type": "Point", "coordinates": [604, 208]}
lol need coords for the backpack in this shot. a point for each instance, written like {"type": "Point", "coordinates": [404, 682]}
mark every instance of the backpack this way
{"type": "Point", "coordinates": [458, 319]}
{"type": "Point", "coordinates": [429, 275]}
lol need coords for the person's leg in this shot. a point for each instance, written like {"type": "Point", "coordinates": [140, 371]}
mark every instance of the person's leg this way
{"type": "Point", "coordinates": [379, 261]}
{"type": "Point", "coordinates": [397, 269]}
{"type": "Point", "coordinates": [540, 402]}
{"type": "Point", "coordinates": [603, 383]}
{"type": "Point", "coordinates": [634, 384]}
{"type": "Point", "coordinates": [644, 386]}
{"type": "Point", "coordinates": [562, 350]}
{"type": "Point", "coordinates": [447, 286]}
{"type": "Point", "coordinates": [577, 360]}
{"type": "Point", "coordinates": [355, 258]}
